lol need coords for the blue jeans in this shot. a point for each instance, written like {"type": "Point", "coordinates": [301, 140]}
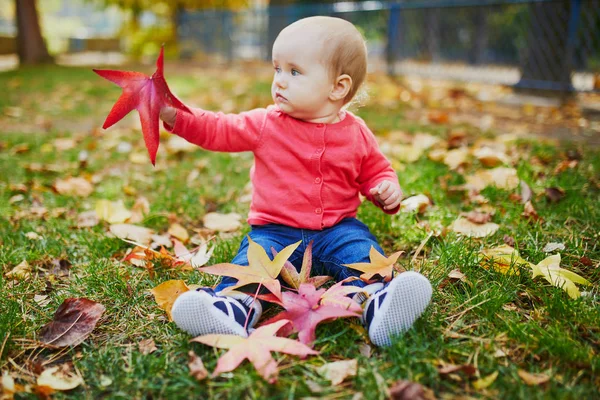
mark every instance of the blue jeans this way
{"type": "Point", "coordinates": [348, 242]}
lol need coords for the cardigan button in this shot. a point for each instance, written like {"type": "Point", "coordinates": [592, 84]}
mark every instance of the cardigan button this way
{"type": "Point", "coordinates": [318, 211]}
{"type": "Point", "coordinates": [320, 125]}
{"type": "Point", "coordinates": [317, 180]}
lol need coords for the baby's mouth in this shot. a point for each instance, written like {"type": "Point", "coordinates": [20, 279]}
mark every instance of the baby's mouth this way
{"type": "Point", "coordinates": [280, 97]}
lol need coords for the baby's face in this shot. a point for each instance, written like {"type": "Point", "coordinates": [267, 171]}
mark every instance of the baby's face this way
{"type": "Point", "coordinates": [301, 84]}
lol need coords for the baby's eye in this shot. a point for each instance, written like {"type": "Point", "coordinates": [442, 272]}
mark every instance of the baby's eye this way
{"type": "Point", "coordinates": [277, 69]}
{"type": "Point", "coordinates": [295, 72]}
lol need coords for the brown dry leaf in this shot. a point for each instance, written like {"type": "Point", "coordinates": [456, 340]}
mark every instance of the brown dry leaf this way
{"type": "Point", "coordinates": [167, 292]}
{"type": "Point", "coordinates": [551, 247]}
{"type": "Point", "coordinates": [33, 236]}
{"type": "Point", "coordinates": [554, 194]}
{"type": "Point", "coordinates": [406, 153]}
{"type": "Point", "coordinates": [407, 390]}
{"type": "Point", "coordinates": [425, 141]}
{"type": "Point", "coordinates": [337, 371]}
{"type": "Point", "coordinates": [501, 177]}
{"type": "Point", "coordinates": [140, 208]}
{"type": "Point", "coordinates": [490, 157]}
{"type": "Point", "coordinates": [438, 117]}
{"type": "Point", "coordinates": [87, 219]}
{"type": "Point", "coordinates": [526, 192]}
{"type": "Point", "coordinates": [59, 377]}
{"type": "Point", "coordinates": [21, 272]}
{"type": "Point", "coordinates": [222, 222]}
{"type": "Point", "coordinates": [533, 379]}
{"type": "Point", "coordinates": [136, 233]}
{"type": "Point", "coordinates": [478, 217]}
{"type": "Point", "coordinates": [62, 144]}
{"type": "Point", "coordinates": [178, 232]}
{"type": "Point", "coordinates": [113, 212]}
{"type": "Point", "coordinates": [73, 186]}
{"type": "Point", "coordinates": [445, 369]}
{"type": "Point", "coordinates": [456, 274]}
{"type": "Point", "coordinates": [147, 346]}
{"type": "Point", "coordinates": [530, 213]}
{"type": "Point", "coordinates": [468, 228]}
{"type": "Point", "coordinates": [456, 157]}
{"type": "Point", "coordinates": [564, 165]}
{"type": "Point", "coordinates": [197, 368]}
{"type": "Point", "coordinates": [437, 155]}
{"type": "Point", "coordinates": [41, 300]}
{"type": "Point", "coordinates": [73, 321]}
{"type": "Point", "coordinates": [419, 203]}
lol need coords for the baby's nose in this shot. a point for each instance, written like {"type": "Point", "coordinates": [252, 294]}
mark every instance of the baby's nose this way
{"type": "Point", "coordinates": [280, 81]}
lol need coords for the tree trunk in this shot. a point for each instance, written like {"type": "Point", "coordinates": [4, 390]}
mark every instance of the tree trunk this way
{"type": "Point", "coordinates": [31, 46]}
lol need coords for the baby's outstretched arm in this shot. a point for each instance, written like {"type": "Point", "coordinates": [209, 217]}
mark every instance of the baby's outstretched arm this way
{"type": "Point", "coordinates": [387, 194]}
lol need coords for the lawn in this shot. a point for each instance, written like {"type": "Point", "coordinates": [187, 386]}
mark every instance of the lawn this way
{"type": "Point", "coordinates": [487, 334]}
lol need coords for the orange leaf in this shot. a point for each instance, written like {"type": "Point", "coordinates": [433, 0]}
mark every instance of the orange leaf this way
{"type": "Point", "coordinates": [167, 292]}
{"type": "Point", "coordinates": [256, 348]}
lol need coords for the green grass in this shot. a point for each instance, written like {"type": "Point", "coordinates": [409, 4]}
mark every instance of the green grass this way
{"type": "Point", "coordinates": [537, 326]}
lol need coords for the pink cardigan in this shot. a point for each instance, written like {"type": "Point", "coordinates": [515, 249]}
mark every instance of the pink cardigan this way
{"type": "Point", "coordinates": [305, 175]}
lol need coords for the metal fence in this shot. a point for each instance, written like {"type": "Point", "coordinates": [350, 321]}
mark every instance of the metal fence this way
{"type": "Point", "coordinates": [540, 44]}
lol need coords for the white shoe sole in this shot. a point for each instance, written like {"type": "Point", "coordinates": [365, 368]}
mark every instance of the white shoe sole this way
{"type": "Point", "coordinates": [408, 296]}
{"type": "Point", "coordinates": [195, 313]}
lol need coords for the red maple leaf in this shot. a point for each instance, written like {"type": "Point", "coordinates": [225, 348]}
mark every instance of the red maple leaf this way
{"type": "Point", "coordinates": [306, 309]}
{"type": "Point", "coordinates": [147, 95]}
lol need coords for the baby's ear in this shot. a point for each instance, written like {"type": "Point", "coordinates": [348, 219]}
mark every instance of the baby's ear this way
{"type": "Point", "coordinates": [341, 87]}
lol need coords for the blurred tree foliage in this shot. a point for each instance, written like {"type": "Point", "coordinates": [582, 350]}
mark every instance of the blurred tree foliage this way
{"type": "Point", "coordinates": [142, 40]}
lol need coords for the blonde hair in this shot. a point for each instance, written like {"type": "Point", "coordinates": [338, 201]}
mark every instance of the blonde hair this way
{"type": "Point", "coordinates": [344, 48]}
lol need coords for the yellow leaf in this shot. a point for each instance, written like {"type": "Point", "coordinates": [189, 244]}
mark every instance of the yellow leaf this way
{"type": "Point", "coordinates": [21, 272]}
{"type": "Point", "coordinates": [550, 269]}
{"type": "Point", "coordinates": [167, 292]}
{"type": "Point", "coordinates": [468, 228]}
{"type": "Point", "coordinates": [484, 383]}
{"type": "Point", "coordinates": [260, 269]}
{"type": "Point", "coordinates": [503, 259]}
{"type": "Point", "coordinates": [179, 232]}
{"type": "Point", "coordinates": [379, 265]}
{"type": "Point", "coordinates": [113, 212]}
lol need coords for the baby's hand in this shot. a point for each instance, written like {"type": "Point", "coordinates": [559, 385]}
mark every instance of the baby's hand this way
{"type": "Point", "coordinates": [388, 194]}
{"type": "Point", "coordinates": [168, 115]}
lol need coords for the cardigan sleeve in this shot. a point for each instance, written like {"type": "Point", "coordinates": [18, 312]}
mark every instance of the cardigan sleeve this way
{"type": "Point", "coordinates": [374, 169]}
{"type": "Point", "coordinates": [217, 131]}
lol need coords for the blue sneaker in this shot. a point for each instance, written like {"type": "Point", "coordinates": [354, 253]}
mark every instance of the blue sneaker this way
{"type": "Point", "coordinates": [392, 308]}
{"type": "Point", "coordinates": [202, 312]}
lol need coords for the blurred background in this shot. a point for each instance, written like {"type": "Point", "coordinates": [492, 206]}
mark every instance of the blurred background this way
{"type": "Point", "coordinates": [551, 46]}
